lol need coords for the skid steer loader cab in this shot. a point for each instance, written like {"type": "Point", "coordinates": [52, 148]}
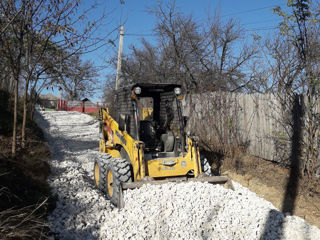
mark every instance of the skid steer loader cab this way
{"type": "Point", "coordinates": [145, 140]}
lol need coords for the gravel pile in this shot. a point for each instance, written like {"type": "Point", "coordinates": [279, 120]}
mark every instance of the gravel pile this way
{"type": "Point", "coordinates": [169, 211]}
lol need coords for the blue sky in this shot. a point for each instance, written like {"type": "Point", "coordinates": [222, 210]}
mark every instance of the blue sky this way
{"type": "Point", "coordinates": [255, 16]}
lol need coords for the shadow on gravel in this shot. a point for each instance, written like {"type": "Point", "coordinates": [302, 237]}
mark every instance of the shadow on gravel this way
{"type": "Point", "coordinates": [80, 145]}
{"type": "Point", "coordinates": [273, 228]}
{"type": "Point", "coordinates": [42, 123]}
{"type": "Point", "coordinates": [276, 231]}
{"type": "Point", "coordinates": [86, 233]}
{"type": "Point", "coordinates": [77, 220]}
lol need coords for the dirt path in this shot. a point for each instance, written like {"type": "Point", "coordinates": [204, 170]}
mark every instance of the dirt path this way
{"type": "Point", "coordinates": [269, 181]}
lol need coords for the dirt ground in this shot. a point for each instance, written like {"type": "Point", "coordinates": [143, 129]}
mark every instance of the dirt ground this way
{"type": "Point", "coordinates": [270, 181]}
{"type": "Point", "coordinates": [23, 188]}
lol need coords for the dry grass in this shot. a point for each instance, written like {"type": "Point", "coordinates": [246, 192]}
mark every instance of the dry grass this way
{"type": "Point", "coordinates": [25, 198]}
{"type": "Point", "coordinates": [23, 223]}
{"type": "Point", "coordinates": [24, 201]}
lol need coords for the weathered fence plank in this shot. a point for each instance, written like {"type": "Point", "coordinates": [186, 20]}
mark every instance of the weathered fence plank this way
{"type": "Point", "coordinates": [260, 122]}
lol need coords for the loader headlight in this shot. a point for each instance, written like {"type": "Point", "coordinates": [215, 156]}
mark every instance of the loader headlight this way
{"type": "Point", "coordinates": [137, 90]}
{"type": "Point", "coordinates": [177, 91]}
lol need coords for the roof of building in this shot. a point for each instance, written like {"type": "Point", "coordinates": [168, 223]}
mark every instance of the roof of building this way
{"type": "Point", "coordinates": [48, 96]}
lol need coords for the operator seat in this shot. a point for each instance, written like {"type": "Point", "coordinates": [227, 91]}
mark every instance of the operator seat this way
{"type": "Point", "coordinates": [148, 134]}
{"type": "Point", "coordinates": [168, 141]}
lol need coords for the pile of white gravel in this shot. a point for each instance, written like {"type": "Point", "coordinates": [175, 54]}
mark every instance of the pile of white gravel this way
{"type": "Point", "coordinates": [169, 211]}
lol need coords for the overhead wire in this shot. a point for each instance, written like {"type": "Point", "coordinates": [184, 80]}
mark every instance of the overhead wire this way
{"type": "Point", "coordinates": [250, 10]}
{"type": "Point", "coordinates": [260, 29]}
{"type": "Point", "coordinates": [139, 34]}
{"type": "Point", "coordinates": [226, 15]}
{"type": "Point", "coordinates": [247, 30]}
{"type": "Point", "coordinates": [262, 21]}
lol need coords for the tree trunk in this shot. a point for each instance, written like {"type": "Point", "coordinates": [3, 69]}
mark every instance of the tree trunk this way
{"type": "Point", "coordinates": [32, 113]}
{"type": "Point", "coordinates": [15, 113]}
{"type": "Point", "coordinates": [25, 97]}
{"type": "Point", "coordinates": [24, 121]}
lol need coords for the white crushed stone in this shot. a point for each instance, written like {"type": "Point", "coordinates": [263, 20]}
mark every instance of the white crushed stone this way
{"type": "Point", "coordinates": [169, 211]}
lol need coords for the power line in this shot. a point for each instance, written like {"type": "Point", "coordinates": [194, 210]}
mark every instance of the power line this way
{"type": "Point", "coordinates": [262, 21]}
{"type": "Point", "coordinates": [260, 29]}
{"type": "Point", "coordinates": [250, 10]}
{"type": "Point", "coordinates": [226, 15]}
{"type": "Point", "coordinates": [139, 34]}
{"type": "Point", "coordinates": [247, 30]}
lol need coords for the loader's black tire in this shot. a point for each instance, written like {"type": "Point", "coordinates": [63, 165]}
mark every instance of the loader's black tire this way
{"type": "Point", "coordinates": [205, 166]}
{"type": "Point", "coordinates": [100, 172]}
{"type": "Point", "coordinates": [124, 155]}
{"type": "Point", "coordinates": [118, 171]}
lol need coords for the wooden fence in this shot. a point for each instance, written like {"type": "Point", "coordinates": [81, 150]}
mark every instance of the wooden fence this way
{"type": "Point", "coordinates": [260, 122]}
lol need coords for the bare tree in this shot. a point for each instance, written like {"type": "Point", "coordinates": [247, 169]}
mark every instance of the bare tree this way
{"type": "Point", "coordinates": [33, 29]}
{"type": "Point", "coordinates": [79, 79]}
{"type": "Point", "coordinates": [198, 57]}
{"type": "Point", "coordinates": [300, 28]}
{"type": "Point", "coordinates": [12, 50]}
{"type": "Point", "coordinates": [227, 57]}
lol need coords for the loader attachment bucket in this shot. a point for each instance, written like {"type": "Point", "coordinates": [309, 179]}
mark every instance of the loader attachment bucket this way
{"type": "Point", "coordinates": [202, 178]}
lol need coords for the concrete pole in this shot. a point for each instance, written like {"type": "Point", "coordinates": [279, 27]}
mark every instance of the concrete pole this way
{"type": "Point", "coordinates": [59, 88]}
{"type": "Point", "coordinates": [119, 57]}
{"type": "Point", "coordinates": [60, 96]}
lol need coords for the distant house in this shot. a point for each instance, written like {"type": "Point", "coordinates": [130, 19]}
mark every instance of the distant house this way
{"type": "Point", "coordinates": [48, 101]}
{"type": "Point", "coordinates": [85, 105]}
{"type": "Point", "coordinates": [88, 106]}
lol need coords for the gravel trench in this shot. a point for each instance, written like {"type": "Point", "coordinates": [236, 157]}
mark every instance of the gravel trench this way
{"type": "Point", "coordinates": [168, 211]}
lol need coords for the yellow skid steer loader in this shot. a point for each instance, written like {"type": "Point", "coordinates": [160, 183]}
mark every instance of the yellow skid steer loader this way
{"type": "Point", "coordinates": [145, 142]}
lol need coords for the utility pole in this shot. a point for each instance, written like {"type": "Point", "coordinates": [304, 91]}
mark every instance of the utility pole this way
{"type": "Point", "coordinates": [60, 88]}
{"type": "Point", "coordinates": [119, 57]}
